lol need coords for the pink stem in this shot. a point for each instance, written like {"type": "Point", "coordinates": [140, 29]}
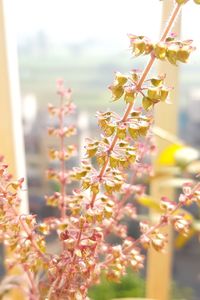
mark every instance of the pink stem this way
{"type": "Point", "coordinates": [62, 147]}
{"type": "Point", "coordinates": [34, 291]}
{"type": "Point", "coordinates": [153, 228]}
{"type": "Point", "coordinates": [29, 234]}
{"type": "Point", "coordinates": [138, 87]}
{"type": "Point", "coordinates": [130, 106]}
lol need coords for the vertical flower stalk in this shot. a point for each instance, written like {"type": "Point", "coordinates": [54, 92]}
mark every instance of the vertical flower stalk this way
{"type": "Point", "coordinates": [66, 152]}
{"type": "Point", "coordinates": [62, 147]}
{"type": "Point", "coordinates": [135, 91]}
{"type": "Point", "coordinates": [115, 152]}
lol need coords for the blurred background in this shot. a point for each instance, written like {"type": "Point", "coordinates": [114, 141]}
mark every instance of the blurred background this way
{"type": "Point", "coordinates": [85, 42]}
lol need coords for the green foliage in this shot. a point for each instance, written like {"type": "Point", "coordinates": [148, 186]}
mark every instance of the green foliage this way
{"type": "Point", "coordinates": [132, 285]}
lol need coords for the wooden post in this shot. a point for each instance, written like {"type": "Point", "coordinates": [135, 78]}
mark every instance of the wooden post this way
{"type": "Point", "coordinates": [11, 136]}
{"type": "Point", "coordinates": [166, 116]}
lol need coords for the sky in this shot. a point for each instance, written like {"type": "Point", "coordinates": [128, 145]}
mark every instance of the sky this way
{"type": "Point", "coordinates": [74, 20]}
{"type": "Point", "coordinates": [82, 19]}
{"type": "Point", "coordinates": [107, 21]}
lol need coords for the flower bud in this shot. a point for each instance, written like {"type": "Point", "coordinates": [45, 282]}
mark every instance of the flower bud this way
{"type": "Point", "coordinates": [44, 228]}
{"type": "Point", "coordinates": [52, 200]}
{"type": "Point", "coordinates": [172, 54]}
{"type": "Point", "coordinates": [109, 186]}
{"type": "Point", "coordinates": [52, 131]}
{"type": "Point", "coordinates": [167, 205]}
{"type": "Point", "coordinates": [101, 159]}
{"type": "Point", "coordinates": [136, 260]}
{"type": "Point", "coordinates": [133, 131]}
{"type": "Point", "coordinates": [131, 158]}
{"type": "Point", "coordinates": [121, 132]}
{"type": "Point", "coordinates": [139, 47]}
{"type": "Point", "coordinates": [95, 188]}
{"type": "Point", "coordinates": [108, 211]}
{"type": "Point", "coordinates": [70, 243]}
{"type": "Point", "coordinates": [134, 76]}
{"type": "Point", "coordinates": [164, 94]}
{"type": "Point", "coordinates": [117, 91]}
{"type": "Point", "coordinates": [130, 95]}
{"type": "Point", "coordinates": [79, 174]}
{"type": "Point", "coordinates": [148, 48]}
{"type": "Point", "coordinates": [181, 225]}
{"type": "Point", "coordinates": [91, 151]}
{"type": "Point", "coordinates": [121, 79]}
{"type": "Point", "coordinates": [109, 129]}
{"type": "Point", "coordinates": [41, 244]}
{"type": "Point", "coordinates": [131, 154]}
{"type": "Point", "coordinates": [159, 241]}
{"type": "Point", "coordinates": [114, 161]}
{"type": "Point", "coordinates": [118, 184]}
{"type": "Point", "coordinates": [114, 276]}
{"type": "Point", "coordinates": [52, 154]}
{"type": "Point", "coordinates": [181, 1]}
{"type": "Point", "coordinates": [102, 122]}
{"type": "Point", "coordinates": [183, 54]}
{"type": "Point", "coordinates": [99, 215]}
{"type": "Point", "coordinates": [144, 226]}
{"type": "Point", "coordinates": [85, 184]}
{"type": "Point", "coordinates": [157, 81]}
{"type": "Point", "coordinates": [117, 251]}
{"type": "Point", "coordinates": [71, 149]}
{"type": "Point", "coordinates": [145, 242]}
{"type": "Point", "coordinates": [123, 144]}
{"type": "Point", "coordinates": [143, 128]}
{"type": "Point", "coordinates": [75, 209]}
{"type": "Point", "coordinates": [135, 113]}
{"type": "Point", "coordinates": [124, 163]}
{"type": "Point", "coordinates": [160, 50]}
{"type": "Point", "coordinates": [146, 103]}
{"type": "Point", "coordinates": [16, 185]}
{"type": "Point", "coordinates": [153, 93]}
{"type": "Point", "coordinates": [89, 215]}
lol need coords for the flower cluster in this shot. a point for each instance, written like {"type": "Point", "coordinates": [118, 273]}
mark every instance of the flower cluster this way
{"type": "Point", "coordinates": [153, 91]}
{"type": "Point", "coordinates": [19, 234]}
{"type": "Point", "coordinates": [61, 131]}
{"type": "Point", "coordinates": [170, 49]}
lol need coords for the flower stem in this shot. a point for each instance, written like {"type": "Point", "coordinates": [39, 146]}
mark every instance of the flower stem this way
{"type": "Point", "coordinates": [138, 87]}
{"type": "Point", "coordinates": [115, 139]}
{"type": "Point", "coordinates": [161, 223]}
{"type": "Point", "coordinates": [34, 291]}
{"type": "Point", "coordinates": [29, 234]}
{"type": "Point", "coordinates": [62, 147]}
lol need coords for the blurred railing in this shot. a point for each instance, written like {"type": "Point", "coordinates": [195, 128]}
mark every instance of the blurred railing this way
{"type": "Point", "coordinates": [166, 117]}
{"type": "Point", "coordinates": [11, 136]}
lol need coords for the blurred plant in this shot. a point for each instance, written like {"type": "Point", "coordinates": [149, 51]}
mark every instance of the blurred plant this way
{"type": "Point", "coordinates": [178, 163]}
{"type": "Point", "coordinates": [131, 285]}
{"type": "Point", "coordinates": [98, 207]}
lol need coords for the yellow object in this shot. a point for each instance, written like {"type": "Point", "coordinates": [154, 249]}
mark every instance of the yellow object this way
{"type": "Point", "coordinates": [167, 156]}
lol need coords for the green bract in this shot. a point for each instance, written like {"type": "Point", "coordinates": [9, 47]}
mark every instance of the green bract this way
{"type": "Point", "coordinates": [181, 1]}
